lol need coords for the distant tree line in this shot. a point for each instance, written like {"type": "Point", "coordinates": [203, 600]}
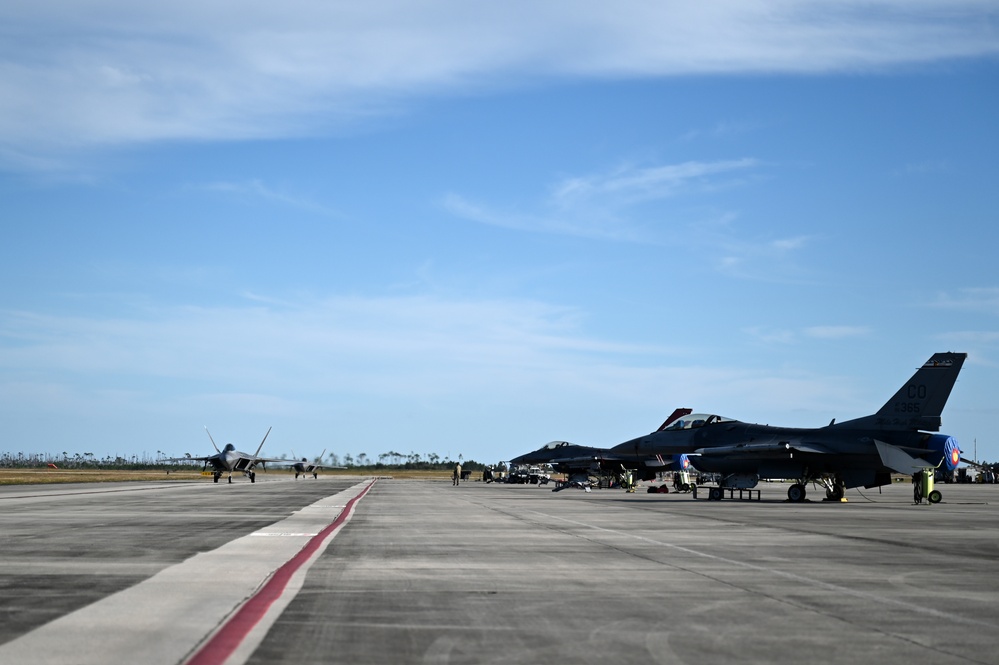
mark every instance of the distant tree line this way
{"type": "Point", "coordinates": [73, 461]}
{"type": "Point", "coordinates": [361, 462]}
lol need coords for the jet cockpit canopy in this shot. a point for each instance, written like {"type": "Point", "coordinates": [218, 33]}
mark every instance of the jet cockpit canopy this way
{"type": "Point", "coordinates": [695, 420]}
{"type": "Point", "coordinates": [552, 445]}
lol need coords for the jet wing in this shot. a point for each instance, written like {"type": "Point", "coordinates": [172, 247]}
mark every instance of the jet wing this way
{"type": "Point", "coordinates": [257, 460]}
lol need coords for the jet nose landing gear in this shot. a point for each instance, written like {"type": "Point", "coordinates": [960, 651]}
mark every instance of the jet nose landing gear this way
{"type": "Point", "coordinates": [796, 493]}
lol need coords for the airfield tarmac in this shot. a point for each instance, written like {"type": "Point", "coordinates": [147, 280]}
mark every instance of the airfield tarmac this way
{"type": "Point", "coordinates": [416, 571]}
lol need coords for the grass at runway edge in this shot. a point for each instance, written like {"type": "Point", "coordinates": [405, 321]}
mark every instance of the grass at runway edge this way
{"type": "Point", "coordinates": [54, 476]}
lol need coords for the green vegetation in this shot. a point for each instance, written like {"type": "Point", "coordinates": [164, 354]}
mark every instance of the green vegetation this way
{"type": "Point", "coordinates": [390, 462]}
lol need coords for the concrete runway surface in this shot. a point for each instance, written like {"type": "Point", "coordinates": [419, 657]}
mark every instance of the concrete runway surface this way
{"type": "Point", "coordinates": [355, 570]}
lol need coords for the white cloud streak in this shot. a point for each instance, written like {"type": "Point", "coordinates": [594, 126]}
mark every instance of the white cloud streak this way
{"type": "Point", "coordinates": [984, 300]}
{"type": "Point", "coordinates": [598, 205]}
{"type": "Point", "coordinates": [106, 72]}
{"type": "Point", "coordinates": [256, 189]}
{"type": "Point", "coordinates": [837, 332]}
{"type": "Point", "coordinates": [371, 368]}
{"type": "Point", "coordinates": [629, 185]}
{"type": "Point", "coordinates": [607, 206]}
{"type": "Point", "coordinates": [781, 336]}
{"type": "Point", "coordinates": [756, 258]}
{"type": "Point", "coordinates": [587, 224]}
{"type": "Point", "coordinates": [399, 346]}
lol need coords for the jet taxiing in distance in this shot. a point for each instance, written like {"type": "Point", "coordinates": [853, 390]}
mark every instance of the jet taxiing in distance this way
{"type": "Point", "coordinates": [229, 459]}
{"type": "Point", "coordinates": [863, 452]}
{"type": "Point", "coordinates": [305, 468]}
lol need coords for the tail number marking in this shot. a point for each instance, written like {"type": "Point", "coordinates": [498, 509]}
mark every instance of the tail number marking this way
{"type": "Point", "coordinates": [913, 392]}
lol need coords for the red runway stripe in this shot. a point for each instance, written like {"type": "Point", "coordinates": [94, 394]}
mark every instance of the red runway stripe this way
{"type": "Point", "coordinates": [231, 635]}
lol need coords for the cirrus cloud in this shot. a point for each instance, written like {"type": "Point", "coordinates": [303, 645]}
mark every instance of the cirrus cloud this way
{"type": "Point", "coordinates": [106, 72]}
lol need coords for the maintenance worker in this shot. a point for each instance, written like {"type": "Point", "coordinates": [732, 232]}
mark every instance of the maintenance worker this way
{"type": "Point", "coordinates": [456, 476]}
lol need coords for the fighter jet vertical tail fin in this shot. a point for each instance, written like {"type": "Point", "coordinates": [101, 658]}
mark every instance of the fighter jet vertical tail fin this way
{"type": "Point", "coordinates": [212, 440]}
{"type": "Point", "coordinates": [919, 403]}
{"type": "Point", "coordinates": [261, 446]}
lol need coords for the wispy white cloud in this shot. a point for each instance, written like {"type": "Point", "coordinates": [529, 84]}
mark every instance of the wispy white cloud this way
{"type": "Point", "coordinates": [743, 256]}
{"type": "Point", "coordinates": [106, 72]}
{"type": "Point", "coordinates": [975, 337]}
{"type": "Point", "coordinates": [783, 336]}
{"type": "Point", "coordinates": [628, 185]}
{"type": "Point", "coordinates": [612, 206]}
{"type": "Point", "coordinates": [257, 189]}
{"type": "Point", "coordinates": [371, 364]}
{"type": "Point", "coordinates": [984, 300]}
{"type": "Point", "coordinates": [601, 205]}
{"type": "Point", "coordinates": [970, 304]}
{"type": "Point", "coordinates": [836, 332]}
{"type": "Point", "coordinates": [376, 364]}
{"type": "Point", "coordinates": [773, 335]}
{"type": "Point", "coordinates": [386, 345]}
{"type": "Point", "coordinates": [719, 130]}
{"type": "Point", "coordinates": [589, 224]}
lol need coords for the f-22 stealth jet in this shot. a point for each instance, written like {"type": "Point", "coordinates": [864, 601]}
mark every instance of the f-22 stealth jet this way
{"type": "Point", "coordinates": [305, 467]}
{"type": "Point", "coordinates": [229, 459]}
{"type": "Point", "coordinates": [862, 452]}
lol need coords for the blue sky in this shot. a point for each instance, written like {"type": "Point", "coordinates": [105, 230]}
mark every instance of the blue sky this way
{"type": "Point", "coordinates": [471, 228]}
